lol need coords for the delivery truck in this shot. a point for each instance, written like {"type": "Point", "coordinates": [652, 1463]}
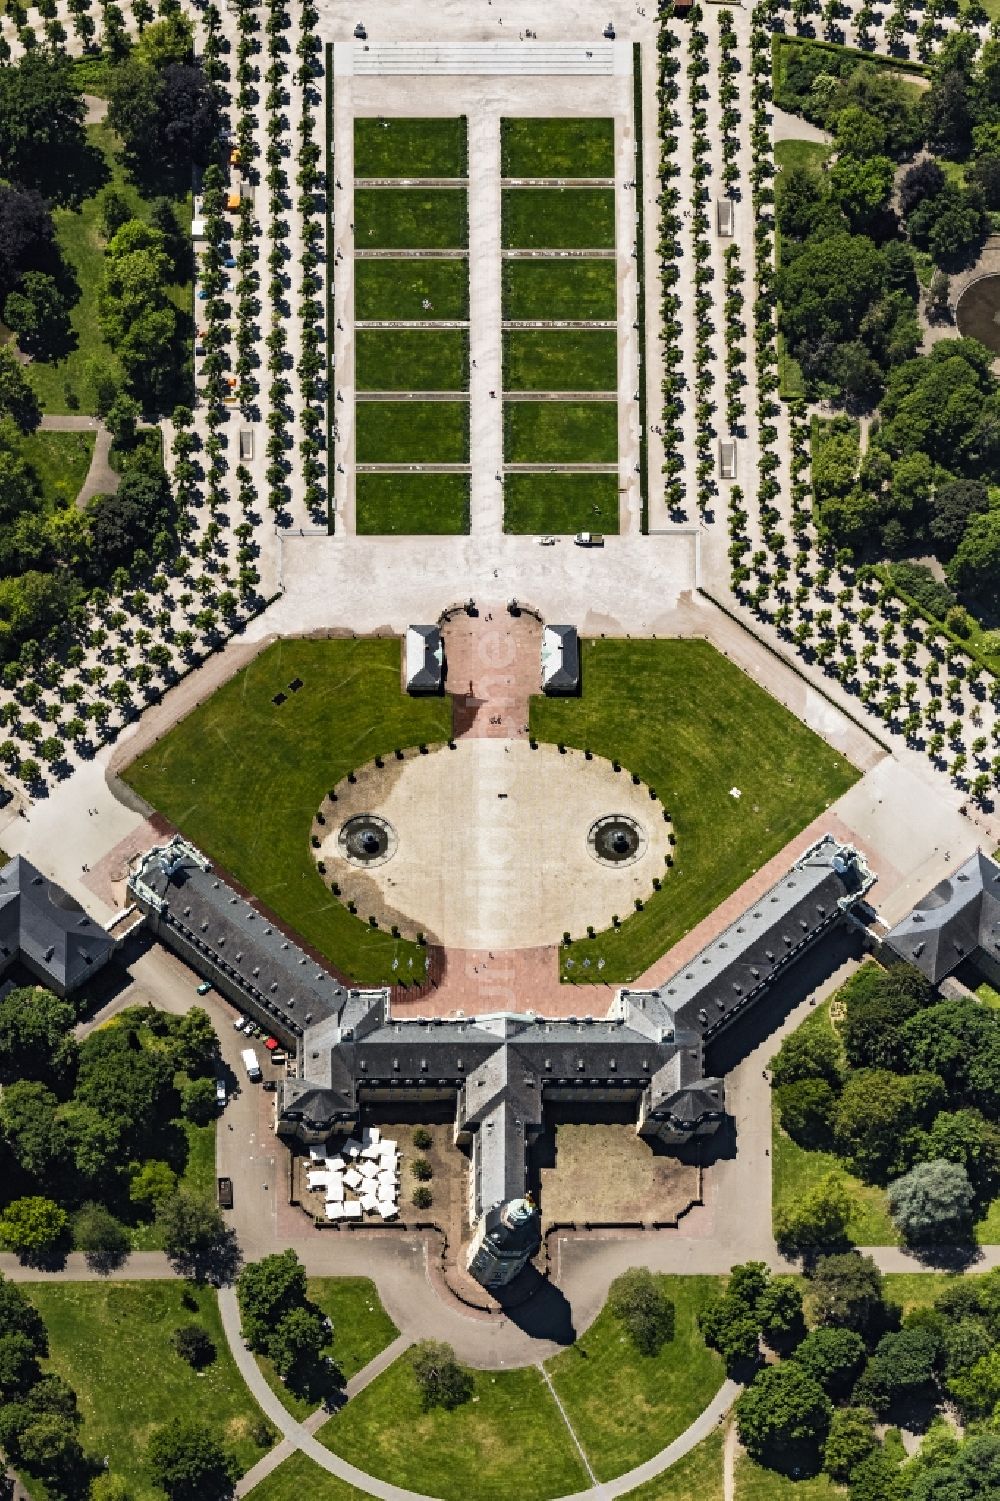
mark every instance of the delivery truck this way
{"type": "Point", "coordinates": [251, 1065]}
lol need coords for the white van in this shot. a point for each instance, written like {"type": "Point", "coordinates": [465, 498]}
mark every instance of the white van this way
{"type": "Point", "coordinates": [251, 1065]}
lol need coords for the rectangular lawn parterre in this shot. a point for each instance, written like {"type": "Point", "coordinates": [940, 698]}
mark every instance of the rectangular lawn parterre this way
{"type": "Point", "coordinates": [558, 219]}
{"type": "Point", "coordinates": [560, 359]}
{"type": "Point", "coordinates": [389, 289]}
{"type": "Point", "coordinates": [560, 503]}
{"type": "Point", "coordinates": [411, 218]}
{"type": "Point", "coordinates": [60, 461]}
{"type": "Point", "coordinates": [411, 432]}
{"type": "Point", "coordinates": [560, 432]}
{"type": "Point", "coordinates": [411, 359]}
{"type": "Point", "coordinates": [624, 1407]}
{"type": "Point", "coordinates": [691, 725]}
{"type": "Point", "coordinates": [508, 1440]}
{"type": "Point", "coordinates": [243, 777]}
{"type": "Point", "coordinates": [411, 504]}
{"type": "Point", "coordinates": [557, 147]}
{"type": "Point", "coordinates": [557, 289]}
{"type": "Point", "coordinates": [112, 1343]}
{"type": "Point", "coordinates": [411, 147]}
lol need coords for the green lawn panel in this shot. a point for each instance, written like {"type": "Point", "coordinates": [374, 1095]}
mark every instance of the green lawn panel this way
{"type": "Point", "coordinates": [558, 219]}
{"type": "Point", "coordinates": [411, 218]}
{"type": "Point", "coordinates": [560, 503]}
{"type": "Point", "coordinates": [557, 147]}
{"type": "Point", "coordinates": [411, 432]}
{"type": "Point", "coordinates": [411, 147]}
{"type": "Point", "coordinates": [61, 462]}
{"type": "Point", "coordinates": [696, 1477]}
{"type": "Point", "coordinates": [560, 432]}
{"type": "Point", "coordinates": [112, 1343]}
{"type": "Point", "coordinates": [691, 725]}
{"type": "Point", "coordinates": [411, 359]}
{"type": "Point", "coordinates": [755, 1483]}
{"type": "Point", "coordinates": [560, 289]}
{"type": "Point", "coordinates": [411, 504]}
{"type": "Point", "coordinates": [243, 777]}
{"type": "Point", "coordinates": [625, 1407]}
{"type": "Point", "coordinates": [398, 289]}
{"type": "Point", "coordinates": [508, 1440]}
{"type": "Point", "coordinates": [301, 1477]}
{"type": "Point", "coordinates": [560, 359]}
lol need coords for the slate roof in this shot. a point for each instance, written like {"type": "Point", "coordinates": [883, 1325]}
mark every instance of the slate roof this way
{"type": "Point", "coordinates": [560, 659]}
{"type": "Point", "coordinates": [424, 659]}
{"type": "Point", "coordinates": [957, 917]}
{"type": "Point", "coordinates": [47, 928]}
{"type": "Point", "coordinates": [281, 979]}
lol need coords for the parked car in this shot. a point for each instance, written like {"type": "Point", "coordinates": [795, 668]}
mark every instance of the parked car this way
{"type": "Point", "coordinates": [360, 32]}
{"type": "Point", "coordinates": [589, 539]}
{"type": "Point", "coordinates": [225, 1193]}
{"type": "Point", "coordinates": [270, 1085]}
{"type": "Point", "coordinates": [240, 1023]}
{"type": "Point", "coordinates": [205, 987]}
{"type": "Point", "coordinates": [220, 1093]}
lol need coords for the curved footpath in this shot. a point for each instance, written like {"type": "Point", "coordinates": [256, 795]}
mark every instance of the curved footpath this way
{"type": "Point", "coordinates": [297, 1435]}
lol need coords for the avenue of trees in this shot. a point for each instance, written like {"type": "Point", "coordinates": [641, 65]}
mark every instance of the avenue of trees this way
{"type": "Point", "coordinates": [845, 1365]}
{"type": "Point", "coordinates": [908, 1095]}
{"type": "Point", "coordinates": [90, 1136]}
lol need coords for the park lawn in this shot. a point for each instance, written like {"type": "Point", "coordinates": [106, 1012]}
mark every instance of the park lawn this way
{"type": "Point", "coordinates": [80, 239]}
{"type": "Point", "coordinates": [411, 432]}
{"type": "Point", "coordinates": [799, 153]}
{"type": "Point", "coordinates": [625, 1407]}
{"type": "Point", "coordinates": [565, 503]}
{"type": "Point", "coordinates": [411, 504]}
{"type": "Point", "coordinates": [198, 1178]}
{"type": "Point", "coordinates": [112, 1343]}
{"type": "Point", "coordinates": [301, 1476]}
{"type": "Point", "coordinates": [411, 218]}
{"type": "Point", "coordinates": [696, 1477]}
{"type": "Point", "coordinates": [755, 1483]}
{"type": "Point", "coordinates": [361, 1328]}
{"type": "Point", "coordinates": [558, 219]}
{"type": "Point", "coordinates": [691, 725]}
{"type": "Point", "coordinates": [560, 359]}
{"type": "Point", "coordinates": [558, 147]}
{"type": "Point", "coordinates": [507, 1440]}
{"type": "Point", "coordinates": [385, 290]}
{"type": "Point", "coordinates": [243, 778]}
{"type": "Point", "coordinates": [411, 359]}
{"type": "Point", "coordinates": [560, 289]}
{"type": "Point", "coordinates": [795, 1170]}
{"type": "Point", "coordinates": [409, 147]}
{"type": "Point", "coordinates": [61, 462]}
{"type": "Point", "coordinates": [560, 432]}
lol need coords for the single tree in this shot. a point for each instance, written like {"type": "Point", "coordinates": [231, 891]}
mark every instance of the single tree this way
{"type": "Point", "coordinates": [637, 1300]}
{"type": "Point", "coordinates": [932, 1202]}
{"type": "Point", "coordinates": [187, 1462]}
{"type": "Point", "coordinates": [442, 1382]}
{"type": "Point", "coordinates": [782, 1414]}
{"type": "Point", "coordinates": [103, 1239]}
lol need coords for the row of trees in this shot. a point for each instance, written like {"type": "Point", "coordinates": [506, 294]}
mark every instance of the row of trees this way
{"type": "Point", "coordinates": [844, 1359]}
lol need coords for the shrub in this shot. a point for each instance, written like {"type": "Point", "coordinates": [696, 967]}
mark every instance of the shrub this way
{"type": "Point", "coordinates": [441, 1380]}
{"type": "Point", "coordinates": [422, 1197]}
{"type": "Point", "coordinates": [421, 1169]}
{"type": "Point", "coordinates": [194, 1344]}
{"type": "Point", "coordinates": [421, 1138]}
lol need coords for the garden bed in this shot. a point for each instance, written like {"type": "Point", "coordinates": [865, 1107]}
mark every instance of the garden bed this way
{"type": "Point", "coordinates": [557, 147]}
{"type": "Point", "coordinates": [410, 147]}
{"type": "Point", "coordinates": [558, 219]}
{"type": "Point", "coordinates": [560, 359]}
{"type": "Point", "coordinates": [411, 432]}
{"type": "Point", "coordinates": [560, 432]}
{"type": "Point", "coordinates": [411, 218]}
{"type": "Point", "coordinates": [411, 359]}
{"type": "Point", "coordinates": [565, 503]}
